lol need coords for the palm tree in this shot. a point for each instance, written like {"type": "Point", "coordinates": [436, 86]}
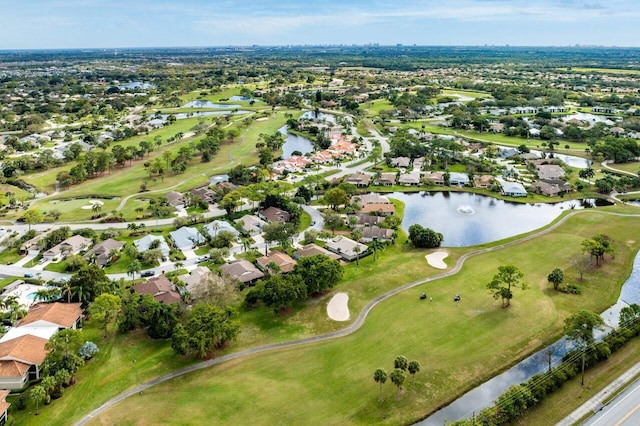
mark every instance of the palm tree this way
{"type": "Point", "coordinates": [66, 289]}
{"type": "Point", "coordinates": [413, 367]}
{"type": "Point", "coordinates": [81, 293]}
{"type": "Point", "coordinates": [37, 394]}
{"type": "Point", "coordinates": [380, 376]}
{"type": "Point", "coordinates": [133, 268]}
{"type": "Point", "coordinates": [357, 251]}
{"type": "Point", "coordinates": [397, 378]}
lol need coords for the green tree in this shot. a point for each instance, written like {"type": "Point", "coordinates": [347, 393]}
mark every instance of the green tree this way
{"type": "Point", "coordinates": [424, 237]}
{"type": "Point", "coordinates": [37, 394]}
{"type": "Point", "coordinates": [508, 276]}
{"type": "Point", "coordinates": [106, 308]}
{"type": "Point", "coordinates": [88, 282]}
{"type": "Point", "coordinates": [32, 217]}
{"type": "Point", "coordinates": [579, 328]}
{"type": "Point", "coordinates": [380, 376]}
{"type": "Point", "coordinates": [401, 362]}
{"type": "Point", "coordinates": [133, 268]}
{"type": "Point", "coordinates": [336, 197]}
{"type": "Point", "coordinates": [281, 291]}
{"type": "Point", "coordinates": [209, 327]}
{"type": "Point", "coordinates": [556, 277]}
{"type": "Point", "coordinates": [333, 221]}
{"type": "Point", "coordinates": [413, 367]}
{"type": "Point", "coordinates": [318, 272]}
{"type": "Point", "coordinates": [397, 378]}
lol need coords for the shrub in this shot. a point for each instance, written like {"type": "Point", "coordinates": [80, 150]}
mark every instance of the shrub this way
{"type": "Point", "coordinates": [88, 350]}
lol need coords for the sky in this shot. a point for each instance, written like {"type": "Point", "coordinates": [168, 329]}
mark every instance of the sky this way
{"type": "Point", "coordinates": [56, 24]}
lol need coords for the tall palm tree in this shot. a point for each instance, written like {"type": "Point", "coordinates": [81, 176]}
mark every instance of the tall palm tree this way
{"type": "Point", "coordinates": [132, 269]}
{"type": "Point", "coordinates": [66, 289]}
{"type": "Point", "coordinates": [380, 376]}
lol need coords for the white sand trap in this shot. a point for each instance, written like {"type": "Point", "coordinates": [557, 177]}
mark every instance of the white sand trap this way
{"type": "Point", "coordinates": [92, 203]}
{"type": "Point", "coordinates": [437, 259]}
{"type": "Point", "coordinates": [262, 119]}
{"type": "Point", "coordinates": [338, 309]}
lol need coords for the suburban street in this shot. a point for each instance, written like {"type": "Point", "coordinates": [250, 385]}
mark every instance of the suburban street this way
{"type": "Point", "coordinates": [623, 410]}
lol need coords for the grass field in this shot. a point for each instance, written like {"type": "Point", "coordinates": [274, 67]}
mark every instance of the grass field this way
{"type": "Point", "coordinates": [458, 345]}
{"type": "Point", "coordinates": [602, 70]}
{"type": "Point", "coordinates": [126, 181]}
{"type": "Point", "coordinates": [470, 93]}
{"type": "Point", "coordinates": [632, 167]}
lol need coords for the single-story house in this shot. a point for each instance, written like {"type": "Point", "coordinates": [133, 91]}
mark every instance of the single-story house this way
{"type": "Point", "coordinates": [550, 171]}
{"type": "Point", "coordinates": [160, 288]}
{"type": "Point", "coordinates": [193, 279]}
{"type": "Point", "coordinates": [375, 233]}
{"type": "Point", "coordinates": [72, 245]}
{"type": "Point", "coordinates": [44, 332]}
{"type": "Point", "coordinates": [61, 315]}
{"type": "Point", "coordinates": [366, 219]}
{"type": "Point", "coordinates": [458, 179]}
{"type": "Point", "coordinates": [186, 238]}
{"type": "Point", "coordinates": [284, 262]}
{"type": "Point", "coordinates": [483, 181]}
{"type": "Point", "coordinates": [218, 179]}
{"type": "Point", "coordinates": [360, 180]}
{"type": "Point", "coordinates": [274, 214]}
{"type": "Point", "coordinates": [513, 189]}
{"type": "Point", "coordinates": [436, 177]}
{"type": "Point", "coordinates": [251, 224]}
{"type": "Point", "coordinates": [242, 270]}
{"type": "Point", "coordinates": [101, 252]}
{"type": "Point", "coordinates": [508, 153]}
{"type": "Point", "coordinates": [385, 179]}
{"type": "Point", "coordinates": [418, 163]}
{"type": "Point", "coordinates": [216, 226]}
{"type": "Point", "coordinates": [534, 133]}
{"type": "Point", "coordinates": [371, 198]}
{"type": "Point", "coordinates": [145, 242]}
{"type": "Point", "coordinates": [314, 250]}
{"type": "Point", "coordinates": [411, 179]}
{"type": "Point", "coordinates": [205, 193]}
{"type": "Point", "coordinates": [20, 360]}
{"type": "Point", "coordinates": [176, 199]}
{"type": "Point", "coordinates": [380, 209]}
{"type": "Point", "coordinates": [551, 188]}
{"type": "Point", "coordinates": [347, 248]}
{"type": "Point", "coordinates": [401, 162]}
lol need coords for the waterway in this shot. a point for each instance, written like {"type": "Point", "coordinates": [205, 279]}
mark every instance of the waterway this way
{"type": "Point", "coordinates": [484, 395]}
{"type": "Point", "coordinates": [209, 104]}
{"type": "Point", "coordinates": [294, 143]}
{"type": "Point", "coordinates": [466, 219]}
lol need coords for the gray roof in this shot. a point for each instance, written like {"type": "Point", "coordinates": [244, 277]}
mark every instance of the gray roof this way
{"type": "Point", "coordinates": [186, 237]}
{"type": "Point", "coordinates": [222, 226]}
{"type": "Point", "coordinates": [143, 244]}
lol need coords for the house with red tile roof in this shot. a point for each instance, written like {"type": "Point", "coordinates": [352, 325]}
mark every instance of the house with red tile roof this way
{"type": "Point", "coordinates": [20, 360]}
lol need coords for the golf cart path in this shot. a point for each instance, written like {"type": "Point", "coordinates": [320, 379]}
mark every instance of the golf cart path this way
{"type": "Point", "coordinates": [352, 328]}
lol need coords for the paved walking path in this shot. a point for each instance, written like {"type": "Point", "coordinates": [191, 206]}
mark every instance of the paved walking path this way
{"type": "Point", "coordinates": [352, 328]}
{"type": "Point", "coordinates": [596, 402]}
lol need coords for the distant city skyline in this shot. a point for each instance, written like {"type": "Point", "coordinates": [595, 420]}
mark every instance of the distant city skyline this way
{"type": "Point", "coordinates": [56, 24]}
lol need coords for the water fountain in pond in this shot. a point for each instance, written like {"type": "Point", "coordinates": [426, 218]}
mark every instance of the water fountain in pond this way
{"type": "Point", "coordinates": [465, 209]}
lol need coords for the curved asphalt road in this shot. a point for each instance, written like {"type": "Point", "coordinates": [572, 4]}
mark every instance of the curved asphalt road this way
{"type": "Point", "coordinates": [333, 335]}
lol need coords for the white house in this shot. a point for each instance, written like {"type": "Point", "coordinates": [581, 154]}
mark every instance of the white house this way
{"type": "Point", "coordinates": [513, 189]}
{"type": "Point", "coordinates": [144, 243]}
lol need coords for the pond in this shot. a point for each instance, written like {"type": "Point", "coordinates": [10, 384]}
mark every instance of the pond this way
{"type": "Point", "coordinates": [183, 115]}
{"type": "Point", "coordinates": [136, 85]}
{"type": "Point", "coordinates": [320, 117]}
{"type": "Point", "coordinates": [294, 143]}
{"type": "Point", "coordinates": [209, 104]}
{"type": "Point", "coordinates": [584, 116]}
{"type": "Point", "coordinates": [239, 98]}
{"type": "Point", "coordinates": [485, 394]}
{"type": "Point", "coordinates": [467, 219]}
{"type": "Point", "coordinates": [569, 160]}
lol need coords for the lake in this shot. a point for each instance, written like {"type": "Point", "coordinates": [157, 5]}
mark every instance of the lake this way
{"type": "Point", "coordinates": [466, 219]}
{"type": "Point", "coordinates": [209, 104]}
{"type": "Point", "coordinates": [183, 115]}
{"type": "Point", "coordinates": [294, 143]}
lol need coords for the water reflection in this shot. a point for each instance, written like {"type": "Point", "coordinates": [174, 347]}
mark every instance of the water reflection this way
{"type": "Point", "coordinates": [483, 219]}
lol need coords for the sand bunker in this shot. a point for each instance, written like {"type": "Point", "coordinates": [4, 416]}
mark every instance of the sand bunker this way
{"type": "Point", "coordinates": [437, 259]}
{"type": "Point", "coordinates": [338, 309]}
{"type": "Point", "coordinates": [91, 204]}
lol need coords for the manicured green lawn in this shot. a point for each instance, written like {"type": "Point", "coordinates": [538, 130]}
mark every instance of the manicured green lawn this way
{"type": "Point", "coordinates": [9, 256]}
{"type": "Point", "coordinates": [470, 93]}
{"type": "Point", "coordinates": [632, 167]}
{"type": "Point", "coordinates": [459, 345]}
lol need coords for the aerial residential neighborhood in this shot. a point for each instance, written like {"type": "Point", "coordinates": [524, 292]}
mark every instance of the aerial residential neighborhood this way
{"type": "Point", "coordinates": [285, 222]}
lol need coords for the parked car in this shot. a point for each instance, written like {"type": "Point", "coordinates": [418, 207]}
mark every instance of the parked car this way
{"type": "Point", "coordinates": [203, 258]}
{"type": "Point", "coordinates": [146, 274]}
{"type": "Point", "coordinates": [28, 275]}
